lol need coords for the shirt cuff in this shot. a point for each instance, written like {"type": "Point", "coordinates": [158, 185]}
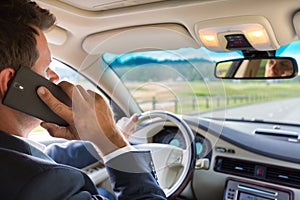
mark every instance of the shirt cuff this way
{"type": "Point", "coordinates": [118, 152]}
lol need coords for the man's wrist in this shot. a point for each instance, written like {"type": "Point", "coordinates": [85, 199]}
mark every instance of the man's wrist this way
{"type": "Point", "coordinates": [118, 152]}
{"type": "Point", "coordinates": [111, 142]}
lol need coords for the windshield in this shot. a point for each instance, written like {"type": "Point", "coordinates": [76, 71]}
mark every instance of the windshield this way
{"type": "Point", "coordinates": [182, 81]}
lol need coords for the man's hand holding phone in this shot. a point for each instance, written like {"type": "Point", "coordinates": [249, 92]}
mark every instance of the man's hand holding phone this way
{"type": "Point", "coordinates": [23, 86]}
{"type": "Point", "coordinates": [90, 118]}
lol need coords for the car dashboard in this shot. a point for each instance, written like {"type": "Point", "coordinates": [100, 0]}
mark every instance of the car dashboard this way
{"type": "Point", "coordinates": [236, 159]}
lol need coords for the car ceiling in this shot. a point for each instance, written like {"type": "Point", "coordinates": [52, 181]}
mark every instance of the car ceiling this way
{"type": "Point", "coordinates": [100, 5]}
{"type": "Point", "coordinates": [86, 26]}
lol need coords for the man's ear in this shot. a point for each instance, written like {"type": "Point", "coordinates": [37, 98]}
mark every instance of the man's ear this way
{"type": "Point", "coordinates": [6, 74]}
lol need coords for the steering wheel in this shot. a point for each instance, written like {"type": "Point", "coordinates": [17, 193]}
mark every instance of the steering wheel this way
{"type": "Point", "coordinates": [173, 165]}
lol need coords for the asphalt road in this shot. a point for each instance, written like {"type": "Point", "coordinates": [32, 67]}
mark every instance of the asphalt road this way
{"type": "Point", "coordinates": [284, 110]}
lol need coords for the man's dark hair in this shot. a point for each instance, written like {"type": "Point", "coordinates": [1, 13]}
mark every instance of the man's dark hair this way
{"type": "Point", "coordinates": [17, 33]}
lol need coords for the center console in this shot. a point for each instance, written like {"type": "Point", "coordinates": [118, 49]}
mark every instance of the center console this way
{"type": "Point", "coordinates": [240, 190]}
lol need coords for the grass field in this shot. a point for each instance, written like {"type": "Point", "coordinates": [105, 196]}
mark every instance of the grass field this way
{"type": "Point", "coordinates": [184, 97]}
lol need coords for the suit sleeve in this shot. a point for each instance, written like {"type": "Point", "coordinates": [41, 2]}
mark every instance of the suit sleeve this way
{"type": "Point", "coordinates": [76, 153]}
{"type": "Point", "coordinates": [132, 176]}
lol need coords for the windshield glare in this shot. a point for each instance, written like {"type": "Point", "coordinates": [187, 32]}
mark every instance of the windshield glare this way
{"type": "Point", "coordinates": [182, 81]}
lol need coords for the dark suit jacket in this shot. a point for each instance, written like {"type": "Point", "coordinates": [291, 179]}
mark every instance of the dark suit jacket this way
{"type": "Point", "coordinates": [24, 176]}
{"type": "Point", "coordinates": [73, 153]}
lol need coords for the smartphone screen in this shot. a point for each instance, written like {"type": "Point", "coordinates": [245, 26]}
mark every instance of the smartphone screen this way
{"type": "Point", "coordinates": [22, 96]}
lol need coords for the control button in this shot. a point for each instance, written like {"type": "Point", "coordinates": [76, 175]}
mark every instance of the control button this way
{"type": "Point", "coordinates": [260, 171]}
{"type": "Point", "coordinates": [221, 149]}
{"type": "Point", "coordinates": [230, 196]}
{"type": "Point", "coordinates": [230, 150]}
{"type": "Point", "coordinates": [202, 163]}
{"type": "Point", "coordinates": [276, 127]}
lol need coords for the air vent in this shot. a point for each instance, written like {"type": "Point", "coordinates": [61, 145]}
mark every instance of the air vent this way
{"type": "Point", "coordinates": [234, 166]}
{"type": "Point", "coordinates": [283, 175]}
{"type": "Point", "coordinates": [259, 171]}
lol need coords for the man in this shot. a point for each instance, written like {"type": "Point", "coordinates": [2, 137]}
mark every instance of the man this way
{"type": "Point", "coordinates": [279, 68]}
{"type": "Point", "coordinates": [27, 173]}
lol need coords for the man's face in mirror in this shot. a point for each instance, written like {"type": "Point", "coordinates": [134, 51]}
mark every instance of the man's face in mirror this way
{"type": "Point", "coordinates": [279, 68]}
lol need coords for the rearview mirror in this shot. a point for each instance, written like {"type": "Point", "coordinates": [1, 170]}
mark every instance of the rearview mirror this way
{"type": "Point", "coordinates": [257, 68]}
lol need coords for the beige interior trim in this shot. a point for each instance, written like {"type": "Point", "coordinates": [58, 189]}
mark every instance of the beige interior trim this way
{"type": "Point", "coordinates": [98, 5]}
{"type": "Point", "coordinates": [56, 35]}
{"type": "Point", "coordinates": [157, 37]}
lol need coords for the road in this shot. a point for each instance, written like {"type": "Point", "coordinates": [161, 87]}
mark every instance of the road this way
{"type": "Point", "coordinates": [284, 110]}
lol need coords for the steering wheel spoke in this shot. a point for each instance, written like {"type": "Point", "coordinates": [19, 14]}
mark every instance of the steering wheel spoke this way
{"type": "Point", "coordinates": [173, 165]}
{"type": "Point", "coordinates": [164, 155]}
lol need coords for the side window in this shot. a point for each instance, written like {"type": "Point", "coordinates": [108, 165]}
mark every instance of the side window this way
{"type": "Point", "coordinates": [65, 73]}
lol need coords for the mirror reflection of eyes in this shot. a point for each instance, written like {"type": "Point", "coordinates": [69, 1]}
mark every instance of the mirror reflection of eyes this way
{"type": "Point", "coordinates": [279, 68]}
{"type": "Point", "coordinates": [281, 63]}
{"type": "Point", "coordinates": [286, 65]}
{"type": "Point", "coordinates": [256, 68]}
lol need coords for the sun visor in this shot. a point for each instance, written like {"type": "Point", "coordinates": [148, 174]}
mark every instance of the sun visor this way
{"type": "Point", "coordinates": [155, 37]}
{"type": "Point", "coordinates": [100, 5]}
{"type": "Point", "coordinates": [56, 35]}
{"type": "Point", "coordinates": [296, 22]}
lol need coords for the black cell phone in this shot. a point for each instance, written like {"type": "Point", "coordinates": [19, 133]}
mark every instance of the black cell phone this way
{"type": "Point", "coordinates": [22, 95]}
